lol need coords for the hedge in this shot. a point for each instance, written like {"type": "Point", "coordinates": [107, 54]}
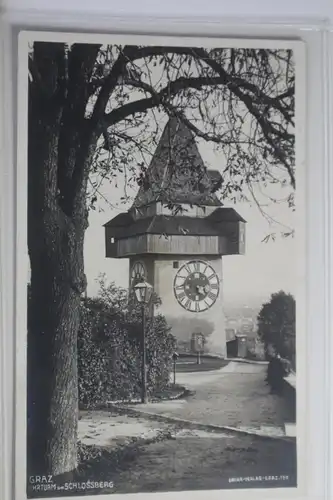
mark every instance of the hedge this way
{"type": "Point", "coordinates": [109, 360]}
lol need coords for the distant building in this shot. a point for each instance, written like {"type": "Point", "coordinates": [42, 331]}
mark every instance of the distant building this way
{"type": "Point", "coordinates": [230, 334]}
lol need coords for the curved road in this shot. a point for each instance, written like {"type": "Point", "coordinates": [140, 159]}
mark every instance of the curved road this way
{"type": "Point", "coordinates": [236, 396]}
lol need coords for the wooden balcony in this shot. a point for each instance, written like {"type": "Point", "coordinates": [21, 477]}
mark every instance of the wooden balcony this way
{"type": "Point", "coordinates": [169, 245]}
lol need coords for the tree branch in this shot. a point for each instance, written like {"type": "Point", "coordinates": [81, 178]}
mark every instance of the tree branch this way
{"type": "Point", "coordinates": [160, 98]}
{"type": "Point", "coordinates": [75, 135]}
{"type": "Point", "coordinates": [257, 102]}
{"type": "Point", "coordinates": [132, 53]}
{"type": "Point", "coordinates": [234, 84]}
{"type": "Point", "coordinates": [110, 82]}
{"type": "Point", "coordinates": [202, 54]}
{"type": "Point", "coordinates": [207, 137]}
{"type": "Point", "coordinates": [157, 98]}
{"type": "Point", "coordinates": [267, 129]}
{"type": "Point", "coordinates": [171, 110]}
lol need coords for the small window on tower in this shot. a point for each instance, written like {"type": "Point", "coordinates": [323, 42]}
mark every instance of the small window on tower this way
{"type": "Point", "coordinates": [176, 264]}
{"type": "Point", "coordinates": [112, 240]}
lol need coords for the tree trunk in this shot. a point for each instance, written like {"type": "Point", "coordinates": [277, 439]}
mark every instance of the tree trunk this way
{"type": "Point", "coordinates": [55, 242]}
{"type": "Point", "coordinates": [52, 348]}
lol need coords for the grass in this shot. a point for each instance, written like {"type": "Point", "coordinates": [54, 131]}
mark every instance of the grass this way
{"type": "Point", "coordinates": [167, 463]}
{"type": "Point", "coordinates": [173, 391]}
{"type": "Point", "coordinates": [99, 465]}
{"type": "Point", "coordinates": [209, 463]}
{"type": "Point", "coordinates": [187, 363]}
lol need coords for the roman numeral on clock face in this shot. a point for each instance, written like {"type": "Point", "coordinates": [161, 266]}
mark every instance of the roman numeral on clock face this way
{"type": "Point", "coordinates": [196, 267]}
{"type": "Point", "coordinates": [187, 268]}
{"type": "Point", "coordinates": [187, 304]}
{"type": "Point", "coordinates": [211, 296]}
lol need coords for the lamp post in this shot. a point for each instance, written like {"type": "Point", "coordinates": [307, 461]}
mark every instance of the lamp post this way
{"type": "Point", "coordinates": [174, 357]}
{"type": "Point", "coordinates": [143, 292]}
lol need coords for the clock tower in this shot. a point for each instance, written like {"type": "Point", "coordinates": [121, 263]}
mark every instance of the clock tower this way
{"type": "Point", "coordinates": [175, 236]}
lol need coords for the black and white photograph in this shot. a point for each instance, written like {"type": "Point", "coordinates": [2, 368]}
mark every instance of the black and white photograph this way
{"type": "Point", "coordinates": [162, 264]}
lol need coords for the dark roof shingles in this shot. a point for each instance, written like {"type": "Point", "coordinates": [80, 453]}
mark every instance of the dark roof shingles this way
{"type": "Point", "coordinates": [177, 173]}
{"type": "Point", "coordinates": [169, 225]}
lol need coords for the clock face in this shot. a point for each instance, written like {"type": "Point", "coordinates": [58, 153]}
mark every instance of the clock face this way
{"type": "Point", "coordinates": [196, 286]}
{"type": "Point", "coordinates": [138, 272]}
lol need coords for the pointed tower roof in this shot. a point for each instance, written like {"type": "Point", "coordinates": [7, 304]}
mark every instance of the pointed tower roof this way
{"type": "Point", "coordinates": [177, 173]}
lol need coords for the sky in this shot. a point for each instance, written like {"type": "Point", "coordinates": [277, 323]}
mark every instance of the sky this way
{"type": "Point", "coordinates": [249, 279]}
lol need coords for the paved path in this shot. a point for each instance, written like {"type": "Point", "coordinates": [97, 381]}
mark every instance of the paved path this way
{"type": "Point", "coordinates": [236, 396]}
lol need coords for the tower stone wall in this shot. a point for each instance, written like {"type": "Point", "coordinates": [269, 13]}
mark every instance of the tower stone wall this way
{"type": "Point", "coordinates": [183, 322]}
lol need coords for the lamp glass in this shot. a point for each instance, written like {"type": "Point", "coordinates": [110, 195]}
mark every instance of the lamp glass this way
{"type": "Point", "coordinates": [149, 292]}
{"type": "Point", "coordinates": [143, 292]}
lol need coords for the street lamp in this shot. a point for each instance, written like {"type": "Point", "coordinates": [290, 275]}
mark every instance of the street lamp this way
{"type": "Point", "coordinates": [174, 357]}
{"type": "Point", "coordinates": [143, 292]}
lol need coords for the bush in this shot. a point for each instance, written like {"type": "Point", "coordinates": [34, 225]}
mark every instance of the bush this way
{"type": "Point", "coordinates": [256, 352]}
{"type": "Point", "coordinates": [99, 369]}
{"type": "Point", "coordinates": [109, 359]}
{"type": "Point", "coordinates": [277, 326]}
